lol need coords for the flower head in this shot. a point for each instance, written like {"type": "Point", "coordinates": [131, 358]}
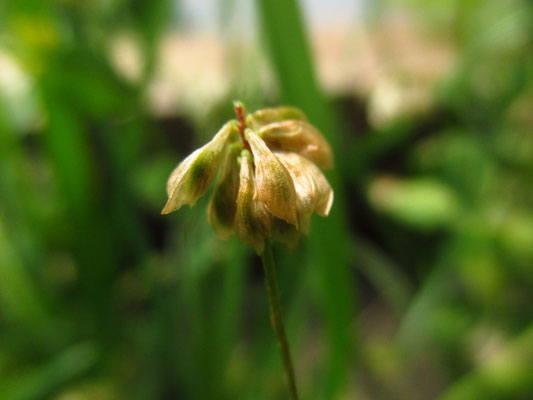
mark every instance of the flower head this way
{"type": "Point", "coordinates": [270, 183]}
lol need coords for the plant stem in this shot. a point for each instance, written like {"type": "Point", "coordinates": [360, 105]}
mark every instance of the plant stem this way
{"type": "Point", "coordinates": [276, 317]}
{"type": "Point", "coordinates": [241, 116]}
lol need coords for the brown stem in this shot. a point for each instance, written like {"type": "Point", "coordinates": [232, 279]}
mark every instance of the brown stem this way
{"type": "Point", "coordinates": [241, 115]}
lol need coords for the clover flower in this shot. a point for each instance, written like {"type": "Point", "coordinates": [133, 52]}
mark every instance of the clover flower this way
{"type": "Point", "coordinates": [270, 183]}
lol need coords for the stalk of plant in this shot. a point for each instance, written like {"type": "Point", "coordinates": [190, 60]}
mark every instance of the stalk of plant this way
{"type": "Point", "coordinates": [276, 318]}
{"type": "Point", "coordinates": [269, 186]}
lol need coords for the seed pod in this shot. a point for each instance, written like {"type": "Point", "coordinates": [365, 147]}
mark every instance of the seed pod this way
{"type": "Point", "coordinates": [192, 177]}
{"type": "Point", "coordinates": [269, 185]}
{"type": "Point", "coordinates": [270, 115]}
{"type": "Point", "coordinates": [314, 194]}
{"type": "Point", "coordinates": [273, 183]}
{"type": "Point", "coordinates": [252, 220]}
{"type": "Point", "coordinates": [299, 137]}
{"type": "Point", "coordinates": [223, 203]}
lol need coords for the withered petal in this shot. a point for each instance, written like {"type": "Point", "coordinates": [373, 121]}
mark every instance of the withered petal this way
{"type": "Point", "coordinates": [223, 202]}
{"type": "Point", "coordinates": [299, 137]}
{"type": "Point", "coordinates": [252, 219]}
{"type": "Point", "coordinates": [273, 183]}
{"type": "Point", "coordinates": [312, 188]}
{"type": "Point", "coordinates": [192, 177]}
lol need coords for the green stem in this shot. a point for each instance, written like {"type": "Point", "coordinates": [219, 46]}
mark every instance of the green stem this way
{"type": "Point", "coordinates": [276, 317]}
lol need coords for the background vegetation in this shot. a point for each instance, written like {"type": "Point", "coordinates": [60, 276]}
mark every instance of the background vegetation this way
{"type": "Point", "coordinates": [418, 286]}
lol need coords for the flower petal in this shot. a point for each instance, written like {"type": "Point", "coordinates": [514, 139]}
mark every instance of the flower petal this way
{"type": "Point", "coordinates": [192, 177]}
{"type": "Point", "coordinates": [313, 190]}
{"type": "Point", "coordinates": [299, 137]}
{"type": "Point", "coordinates": [269, 115]}
{"type": "Point", "coordinates": [273, 183]}
{"type": "Point", "coordinates": [252, 219]}
{"type": "Point", "coordinates": [223, 203]}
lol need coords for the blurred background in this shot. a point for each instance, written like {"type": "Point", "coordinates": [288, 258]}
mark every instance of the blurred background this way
{"type": "Point", "coordinates": [418, 286]}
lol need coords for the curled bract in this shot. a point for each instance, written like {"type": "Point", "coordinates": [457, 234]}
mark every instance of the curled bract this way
{"type": "Point", "coordinates": [269, 115]}
{"type": "Point", "coordinates": [299, 137]}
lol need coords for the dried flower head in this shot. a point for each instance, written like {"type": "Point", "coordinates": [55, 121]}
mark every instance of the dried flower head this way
{"type": "Point", "coordinates": [270, 183]}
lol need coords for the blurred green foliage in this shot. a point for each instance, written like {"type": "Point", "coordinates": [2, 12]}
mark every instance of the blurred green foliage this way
{"type": "Point", "coordinates": [419, 285]}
